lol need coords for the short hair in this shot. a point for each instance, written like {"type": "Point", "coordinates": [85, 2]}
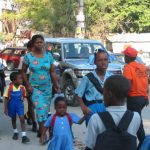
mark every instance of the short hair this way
{"type": "Point", "coordinates": [29, 44]}
{"type": "Point", "coordinates": [14, 75]}
{"type": "Point", "coordinates": [118, 85]}
{"type": "Point", "coordinates": [35, 37]}
{"type": "Point", "coordinates": [59, 99]}
{"type": "Point", "coordinates": [100, 50]}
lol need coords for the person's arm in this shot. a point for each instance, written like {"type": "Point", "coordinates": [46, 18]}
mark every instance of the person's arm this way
{"type": "Point", "coordinates": [54, 77]}
{"type": "Point", "coordinates": [42, 139]}
{"type": "Point", "coordinates": [84, 108]}
{"type": "Point", "coordinates": [93, 129]}
{"type": "Point", "coordinates": [24, 75]}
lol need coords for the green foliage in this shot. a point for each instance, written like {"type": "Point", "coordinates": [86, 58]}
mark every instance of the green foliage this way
{"type": "Point", "coordinates": [103, 16]}
{"type": "Point", "coordinates": [54, 16]}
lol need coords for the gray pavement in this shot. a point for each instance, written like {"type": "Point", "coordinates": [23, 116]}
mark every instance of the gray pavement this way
{"type": "Point", "coordinates": [6, 142]}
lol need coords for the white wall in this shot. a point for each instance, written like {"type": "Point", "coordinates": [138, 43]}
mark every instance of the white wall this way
{"type": "Point", "coordinates": [119, 47]}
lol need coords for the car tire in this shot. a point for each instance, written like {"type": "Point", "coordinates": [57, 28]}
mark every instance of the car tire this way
{"type": "Point", "coordinates": [69, 93]}
{"type": "Point", "coordinates": [10, 66]}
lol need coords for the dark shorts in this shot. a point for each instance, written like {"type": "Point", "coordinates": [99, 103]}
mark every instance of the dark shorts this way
{"type": "Point", "coordinates": [15, 108]}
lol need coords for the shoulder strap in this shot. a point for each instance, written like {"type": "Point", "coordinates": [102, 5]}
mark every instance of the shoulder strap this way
{"type": "Point", "coordinates": [69, 118]}
{"type": "Point", "coordinates": [53, 120]}
{"type": "Point", "coordinates": [126, 120]}
{"type": "Point", "coordinates": [10, 89]}
{"type": "Point", "coordinates": [95, 82]}
{"type": "Point", "coordinates": [107, 120]}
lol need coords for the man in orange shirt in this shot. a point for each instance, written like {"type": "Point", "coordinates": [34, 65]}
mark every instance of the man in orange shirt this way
{"type": "Point", "coordinates": [136, 73]}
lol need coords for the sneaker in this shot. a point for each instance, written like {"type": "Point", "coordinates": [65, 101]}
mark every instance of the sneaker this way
{"type": "Point", "coordinates": [25, 140]}
{"type": "Point", "coordinates": [15, 136]}
{"type": "Point", "coordinates": [29, 121]}
{"type": "Point", "coordinates": [34, 127]}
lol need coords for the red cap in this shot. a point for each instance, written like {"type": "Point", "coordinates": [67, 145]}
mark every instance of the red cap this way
{"type": "Point", "coordinates": [130, 52]}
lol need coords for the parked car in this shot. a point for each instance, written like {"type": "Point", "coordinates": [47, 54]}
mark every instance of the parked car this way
{"type": "Point", "coordinates": [73, 55]}
{"type": "Point", "coordinates": [12, 56]}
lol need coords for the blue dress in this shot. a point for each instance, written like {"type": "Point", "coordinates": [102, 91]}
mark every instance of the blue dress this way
{"type": "Point", "coordinates": [40, 81]}
{"type": "Point", "coordinates": [62, 136]}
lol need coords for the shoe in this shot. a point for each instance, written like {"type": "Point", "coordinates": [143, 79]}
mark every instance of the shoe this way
{"type": "Point", "coordinates": [25, 140]}
{"type": "Point", "coordinates": [29, 121]}
{"type": "Point", "coordinates": [34, 127]}
{"type": "Point", "coordinates": [15, 136]}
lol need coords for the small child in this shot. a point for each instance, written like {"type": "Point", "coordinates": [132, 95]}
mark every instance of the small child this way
{"type": "Point", "coordinates": [117, 128]}
{"type": "Point", "coordinates": [14, 96]}
{"type": "Point", "coordinates": [60, 124]}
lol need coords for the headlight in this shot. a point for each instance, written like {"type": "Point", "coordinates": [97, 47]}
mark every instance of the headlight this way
{"type": "Point", "coordinates": [81, 72]}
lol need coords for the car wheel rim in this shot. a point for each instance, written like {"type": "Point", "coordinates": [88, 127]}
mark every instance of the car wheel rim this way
{"type": "Point", "coordinates": [69, 93]}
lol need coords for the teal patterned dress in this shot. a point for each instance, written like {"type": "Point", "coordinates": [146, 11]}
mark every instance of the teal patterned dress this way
{"type": "Point", "coordinates": [40, 81]}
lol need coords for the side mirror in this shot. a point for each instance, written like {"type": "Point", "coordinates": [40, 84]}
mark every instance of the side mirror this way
{"type": "Point", "coordinates": [56, 56]}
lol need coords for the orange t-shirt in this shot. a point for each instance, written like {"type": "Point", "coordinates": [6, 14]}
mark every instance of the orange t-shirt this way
{"type": "Point", "coordinates": [137, 74]}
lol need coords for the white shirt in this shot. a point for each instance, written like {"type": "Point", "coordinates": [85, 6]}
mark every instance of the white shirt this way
{"type": "Point", "coordinates": [21, 64]}
{"type": "Point", "coordinates": [2, 64]}
{"type": "Point", "coordinates": [96, 126]}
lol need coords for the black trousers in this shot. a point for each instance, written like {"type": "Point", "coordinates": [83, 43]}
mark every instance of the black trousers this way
{"type": "Point", "coordinates": [137, 103]}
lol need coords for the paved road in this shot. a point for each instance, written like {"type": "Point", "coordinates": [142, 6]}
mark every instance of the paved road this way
{"type": "Point", "coordinates": [6, 142]}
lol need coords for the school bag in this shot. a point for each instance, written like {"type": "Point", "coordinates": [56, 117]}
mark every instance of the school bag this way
{"type": "Point", "coordinates": [54, 119]}
{"type": "Point", "coordinates": [146, 143]}
{"type": "Point", "coordinates": [116, 137]}
{"type": "Point", "coordinates": [11, 88]}
{"type": "Point", "coordinates": [53, 123]}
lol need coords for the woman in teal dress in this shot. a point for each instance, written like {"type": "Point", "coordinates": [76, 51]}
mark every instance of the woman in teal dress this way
{"type": "Point", "coordinates": [42, 77]}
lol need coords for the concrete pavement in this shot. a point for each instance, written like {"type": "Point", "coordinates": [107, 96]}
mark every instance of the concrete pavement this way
{"type": "Point", "coordinates": [6, 142]}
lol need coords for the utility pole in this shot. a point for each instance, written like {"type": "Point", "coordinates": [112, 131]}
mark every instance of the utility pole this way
{"type": "Point", "coordinates": [80, 18]}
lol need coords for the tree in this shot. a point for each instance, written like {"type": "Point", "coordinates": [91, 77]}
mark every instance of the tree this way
{"type": "Point", "coordinates": [55, 16]}
{"type": "Point", "coordinates": [105, 16]}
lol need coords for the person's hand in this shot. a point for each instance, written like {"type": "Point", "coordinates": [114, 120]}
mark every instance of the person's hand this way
{"type": "Point", "coordinates": [6, 111]}
{"type": "Point", "coordinates": [57, 89]}
{"type": "Point", "coordinates": [30, 89]}
{"type": "Point", "coordinates": [86, 111]}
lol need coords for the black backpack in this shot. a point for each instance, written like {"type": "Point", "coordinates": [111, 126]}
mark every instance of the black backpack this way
{"type": "Point", "coordinates": [116, 137]}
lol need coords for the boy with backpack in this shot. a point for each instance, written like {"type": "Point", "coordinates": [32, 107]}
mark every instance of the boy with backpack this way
{"type": "Point", "coordinates": [115, 129]}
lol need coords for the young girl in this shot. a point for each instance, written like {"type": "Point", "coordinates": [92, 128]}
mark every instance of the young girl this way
{"type": "Point", "coordinates": [60, 124]}
{"type": "Point", "coordinates": [14, 95]}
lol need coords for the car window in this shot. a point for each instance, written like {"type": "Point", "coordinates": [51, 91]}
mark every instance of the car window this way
{"type": "Point", "coordinates": [55, 49]}
{"type": "Point", "coordinates": [7, 51]}
{"type": "Point", "coordinates": [79, 50]}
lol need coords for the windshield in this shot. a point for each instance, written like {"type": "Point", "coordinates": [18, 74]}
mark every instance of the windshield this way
{"type": "Point", "coordinates": [79, 50]}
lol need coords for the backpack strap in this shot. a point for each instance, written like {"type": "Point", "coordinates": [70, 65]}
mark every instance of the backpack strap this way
{"type": "Point", "coordinates": [107, 120]}
{"type": "Point", "coordinates": [53, 120]}
{"type": "Point", "coordinates": [69, 118]}
{"type": "Point", "coordinates": [126, 120]}
{"type": "Point", "coordinates": [10, 89]}
{"type": "Point", "coordinates": [95, 82]}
